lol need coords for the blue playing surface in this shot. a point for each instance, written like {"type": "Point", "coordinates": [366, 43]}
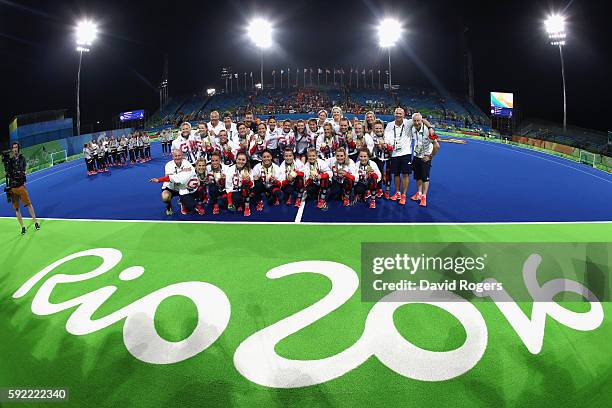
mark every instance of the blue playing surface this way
{"type": "Point", "coordinates": [476, 182]}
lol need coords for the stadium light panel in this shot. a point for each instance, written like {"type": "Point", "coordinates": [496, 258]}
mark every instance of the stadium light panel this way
{"type": "Point", "coordinates": [210, 91]}
{"type": "Point", "coordinates": [555, 27]}
{"type": "Point", "coordinates": [260, 32]}
{"type": "Point", "coordinates": [389, 32]}
{"type": "Point", "coordinates": [555, 24]}
{"type": "Point", "coordinates": [86, 32]}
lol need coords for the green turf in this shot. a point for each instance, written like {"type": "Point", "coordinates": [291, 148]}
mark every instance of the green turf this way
{"type": "Point", "coordinates": [574, 368]}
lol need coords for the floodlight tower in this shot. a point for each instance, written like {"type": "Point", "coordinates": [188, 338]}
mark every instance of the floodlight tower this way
{"type": "Point", "coordinates": [260, 32]}
{"type": "Point", "coordinates": [86, 32]}
{"type": "Point", "coordinates": [555, 27]}
{"type": "Point", "coordinates": [389, 32]}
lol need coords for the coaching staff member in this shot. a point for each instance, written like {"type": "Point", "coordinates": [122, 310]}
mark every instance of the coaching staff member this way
{"type": "Point", "coordinates": [16, 178]}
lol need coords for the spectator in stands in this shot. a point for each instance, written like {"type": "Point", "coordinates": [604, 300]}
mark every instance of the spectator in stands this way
{"type": "Point", "coordinates": [16, 178]}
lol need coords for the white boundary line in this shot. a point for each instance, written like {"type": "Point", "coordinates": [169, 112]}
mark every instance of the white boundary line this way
{"type": "Point", "coordinates": [298, 216]}
{"type": "Point", "coordinates": [47, 175]}
{"type": "Point", "coordinates": [525, 151]}
{"type": "Point", "coordinates": [324, 223]}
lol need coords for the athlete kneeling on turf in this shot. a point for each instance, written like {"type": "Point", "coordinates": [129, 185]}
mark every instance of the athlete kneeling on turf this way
{"type": "Point", "coordinates": [343, 176]}
{"type": "Point", "coordinates": [368, 175]}
{"type": "Point", "coordinates": [238, 186]}
{"type": "Point", "coordinates": [292, 177]}
{"type": "Point", "coordinates": [316, 178]}
{"type": "Point", "coordinates": [169, 189]}
{"type": "Point", "coordinates": [267, 178]}
{"type": "Point", "coordinates": [215, 181]}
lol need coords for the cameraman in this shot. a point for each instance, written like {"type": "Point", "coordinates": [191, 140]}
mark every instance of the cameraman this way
{"type": "Point", "coordinates": [16, 178]}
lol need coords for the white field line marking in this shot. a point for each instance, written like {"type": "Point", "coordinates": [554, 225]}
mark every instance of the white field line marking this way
{"type": "Point", "coordinates": [323, 223]}
{"type": "Point", "coordinates": [521, 150]}
{"type": "Point", "coordinates": [47, 175]}
{"type": "Point", "coordinates": [298, 216]}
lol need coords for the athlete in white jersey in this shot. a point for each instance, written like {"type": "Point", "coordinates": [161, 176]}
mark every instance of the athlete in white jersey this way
{"type": "Point", "coordinates": [183, 142]}
{"type": "Point", "coordinates": [367, 177]}
{"type": "Point", "coordinates": [292, 177]}
{"type": "Point", "coordinates": [267, 178]}
{"type": "Point", "coordinates": [316, 178]}
{"type": "Point", "coordinates": [343, 176]}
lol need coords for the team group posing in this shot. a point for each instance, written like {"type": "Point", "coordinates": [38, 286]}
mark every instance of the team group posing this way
{"type": "Point", "coordinates": [229, 166]}
{"type": "Point", "coordinates": [104, 152]}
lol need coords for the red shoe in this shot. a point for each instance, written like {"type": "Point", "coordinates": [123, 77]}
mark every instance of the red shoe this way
{"type": "Point", "coordinates": [368, 194]}
{"type": "Point", "coordinates": [321, 204]}
{"type": "Point", "coordinates": [184, 209]}
{"type": "Point", "coordinates": [379, 193]}
{"type": "Point", "coordinates": [206, 199]}
{"type": "Point", "coordinates": [372, 203]}
{"type": "Point", "coordinates": [239, 209]}
{"type": "Point", "coordinates": [247, 211]}
{"type": "Point", "coordinates": [259, 206]}
{"type": "Point", "coordinates": [423, 202]}
{"type": "Point", "coordinates": [298, 202]}
{"type": "Point", "coordinates": [288, 201]}
{"type": "Point", "coordinates": [345, 201]}
{"type": "Point", "coordinates": [402, 200]}
{"type": "Point", "coordinates": [216, 209]}
{"type": "Point", "coordinates": [200, 210]}
{"type": "Point", "coordinates": [94, 172]}
{"type": "Point", "coordinates": [395, 197]}
{"type": "Point", "coordinates": [277, 201]}
{"type": "Point", "coordinates": [416, 197]}
{"type": "Point", "coordinates": [387, 195]}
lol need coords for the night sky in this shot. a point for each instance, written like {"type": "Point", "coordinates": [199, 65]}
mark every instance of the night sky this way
{"type": "Point", "coordinates": [510, 51]}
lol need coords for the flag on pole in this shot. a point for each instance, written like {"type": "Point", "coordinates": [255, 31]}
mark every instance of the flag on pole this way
{"type": "Point", "coordinates": [320, 71]}
{"type": "Point", "coordinates": [251, 75]}
{"type": "Point", "coordinates": [236, 76]}
{"type": "Point", "coordinates": [282, 71]}
{"type": "Point", "coordinates": [274, 72]}
{"type": "Point", "coordinates": [327, 71]}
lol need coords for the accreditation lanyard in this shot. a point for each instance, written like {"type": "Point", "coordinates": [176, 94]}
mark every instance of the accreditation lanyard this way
{"type": "Point", "coordinates": [395, 135]}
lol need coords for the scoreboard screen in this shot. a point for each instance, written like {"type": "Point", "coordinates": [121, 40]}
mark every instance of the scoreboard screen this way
{"type": "Point", "coordinates": [131, 115]}
{"type": "Point", "coordinates": [502, 104]}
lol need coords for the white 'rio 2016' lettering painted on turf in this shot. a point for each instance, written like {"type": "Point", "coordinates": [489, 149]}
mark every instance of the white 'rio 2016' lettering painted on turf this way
{"type": "Point", "coordinates": [256, 358]}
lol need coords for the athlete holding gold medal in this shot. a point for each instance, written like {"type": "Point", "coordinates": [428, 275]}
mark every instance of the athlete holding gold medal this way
{"type": "Point", "coordinates": [367, 179]}
{"type": "Point", "coordinates": [238, 186]}
{"type": "Point", "coordinates": [267, 176]}
{"type": "Point", "coordinates": [327, 142]}
{"type": "Point", "coordinates": [292, 180]}
{"type": "Point", "coordinates": [343, 176]}
{"type": "Point", "coordinates": [215, 181]}
{"type": "Point", "coordinates": [316, 178]}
